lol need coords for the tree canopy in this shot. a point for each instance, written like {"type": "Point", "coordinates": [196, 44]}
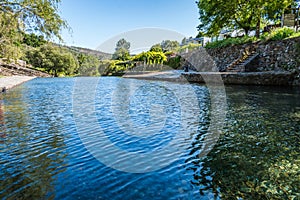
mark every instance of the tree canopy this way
{"type": "Point", "coordinates": [245, 14]}
{"type": "Point", "coordinates": [38, 17]}
{"type": "Point", "coordinates": [122, 50]}
{"type": "Point", "coordinates": [168, 45]}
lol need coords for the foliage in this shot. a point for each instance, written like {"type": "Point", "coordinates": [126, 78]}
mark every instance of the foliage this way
{"type": "Point", "coordinates": [114, 67]}
{"type": "Point", "coordinates": [9, 37]}
{"type": "Point", "coordinates": [35, 16]}
{"type": "Point", "coordinates": [88, 65]}
{"type": "Point", "coordinates": [122, 44]}
{"type": "Point", "coordinates": [30, 16]}
{"type": "Point", "coordinates": [245, 14]}
{"type": "Point", "coordinates": [281, 33]}
{"type": "Point", "coordinates": [189, 47]}
{"type": "Point", "coordinates": [156, 48]}
{"type": "Point", "coordinates": [55, 60]}
{"type": "Point", "coordinates": [231, 41]}
{"type": "Point", "coordinates": [174, 62]}
{"type": "Point", "coordinates": [168, 45]}
{"type": "Point", "coordinates": [151, 57]}
{"type": "Point", "coordinates": [122, 50]}
{"type": "Point", "coordinates": [33, 40]}
{"type": "Point", "coordinates": [121, 54]}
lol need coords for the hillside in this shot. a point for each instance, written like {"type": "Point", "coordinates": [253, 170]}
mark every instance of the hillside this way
{"type": "Point", "coordinates": [99, 54]}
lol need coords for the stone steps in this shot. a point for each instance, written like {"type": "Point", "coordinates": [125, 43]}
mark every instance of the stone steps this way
{"type": "Point", "coordinates": [239, 65]}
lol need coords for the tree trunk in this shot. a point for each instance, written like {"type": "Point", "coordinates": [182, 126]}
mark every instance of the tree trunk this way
{"type": "Point", "coordinates": [246, 31]}
{"type": "Point", "coordinates": [257, 34]}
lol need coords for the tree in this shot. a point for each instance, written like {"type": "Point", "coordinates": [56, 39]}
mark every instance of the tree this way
{"type": "Point", "coordinates": [35, 16]}
{"type": "Point", "coordinates": [184, 41]}
{"type": "Point", "coordinates": [122, 50]}
{"type": "Point", "coordinates": [31, 16]}
{"type": "Point", "coordinates": [9, 36]}
{"type": "Point", "coordinates": [88, 65]}
{"type": "Point", "coordinates": [244, 14]}
{"type": "Point", "coordinates": [55, 60]}
{"type": "Point", "coordinates": [33, 40]}
{"type": "Point", "coordinates": [168, 45]}
{"type": "Point", "coordinates": [156, 48]}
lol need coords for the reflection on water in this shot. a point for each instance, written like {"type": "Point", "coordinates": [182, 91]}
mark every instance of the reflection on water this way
{"type": "Point", "coordinates": [42, 156]}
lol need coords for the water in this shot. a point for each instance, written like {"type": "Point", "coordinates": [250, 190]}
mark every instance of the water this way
{"type": "Point", "coordinates": [44, 154]}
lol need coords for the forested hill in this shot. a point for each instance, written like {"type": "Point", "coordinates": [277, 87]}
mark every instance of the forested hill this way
{"type": "Point", "coordinates": [99, 54]}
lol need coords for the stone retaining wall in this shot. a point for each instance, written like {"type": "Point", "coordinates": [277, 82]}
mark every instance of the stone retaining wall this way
{"type": "Point", "coordinates": [281, 55]}
{"type": "Point", "coordinates": [251, 78]}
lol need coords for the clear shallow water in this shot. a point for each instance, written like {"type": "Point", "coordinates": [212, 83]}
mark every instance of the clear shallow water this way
{"type": "Point", "coordinates": [43, 157]}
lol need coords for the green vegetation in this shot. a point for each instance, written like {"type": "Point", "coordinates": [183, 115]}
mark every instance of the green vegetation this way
{"type": "Point", "coordinates": [33, 16]}
{"type": "Point", "coordinates": [151, 57]}
{"type": "Point", "coordinates": [55, 60]}
{"type": "Point", "coordinates": [246, 15]}
{"type": "Point", "coordinates": [122, 50]}
{"type": "Point", "coordinates": [281, 33]}
{"type": "Point", "coordinates": [275, 34]}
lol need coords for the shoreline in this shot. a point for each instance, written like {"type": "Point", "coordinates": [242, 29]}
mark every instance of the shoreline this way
{"type": "Point", "coordinates": [10, 82]}
{"type": "Point", "coordinates": [268, 78]}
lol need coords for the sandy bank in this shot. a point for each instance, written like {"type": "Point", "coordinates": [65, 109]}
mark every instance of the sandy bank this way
{"type": "Point", "coordinates": [12, 81]}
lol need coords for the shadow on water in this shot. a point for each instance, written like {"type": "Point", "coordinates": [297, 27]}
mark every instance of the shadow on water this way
{"type": "Point", "coordinates": [257, 156]}
{"type": "Point", "coordinates": [29, 156]}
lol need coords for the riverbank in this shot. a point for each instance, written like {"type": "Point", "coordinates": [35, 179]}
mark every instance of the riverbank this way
{"type": "Point", "coordinates": [229, 78]}
{"type": "Point", "coordinates": [12, 81]}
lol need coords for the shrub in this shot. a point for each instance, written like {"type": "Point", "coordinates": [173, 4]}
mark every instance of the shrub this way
{"type": "Point", "coordinates": [231, 41]}
{"type": "Point", "coordinates": [281, 33]}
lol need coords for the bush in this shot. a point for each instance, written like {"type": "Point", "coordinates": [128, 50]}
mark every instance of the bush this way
{"type": "Point", "coordinates": [231, 41]}
{"type": "Point", "coordinates": [281, 33]}
{"type": "Point", "coordinates": [190, 47]}
{"type": "Point", "coordinates": [151, 57]}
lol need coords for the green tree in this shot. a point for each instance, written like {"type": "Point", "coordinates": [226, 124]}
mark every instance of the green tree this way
{"type": "Point", "coordinates": [151, 57]}
{"type": "Point", "coordinates": [33, 40]}
{"type": "Point", "coordinates": [156, 48]}
{"type": "Point", "coordinates": [35, 16]}
{"type": "Point", "coordinates": [9, 37]}
{"type": "Point", "coordinates": [32, 16]}
{"type": "Point", "coordinates": [122, 50]}
{"type": "Point", "coordinates": [55, 60]}
{"type": "Point", "coordinates": [88, 65]}
{"type": "Point", "coordinates": [244, 14]}
{"type": "Point", "coordinates": [168, 45]}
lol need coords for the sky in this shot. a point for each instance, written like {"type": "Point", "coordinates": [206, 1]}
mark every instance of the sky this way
{"type": "Point", "coordinates": [94, 22]}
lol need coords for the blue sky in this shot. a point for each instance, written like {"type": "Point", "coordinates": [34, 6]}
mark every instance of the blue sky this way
{"type": "Point", "coordinates": [96, 21]}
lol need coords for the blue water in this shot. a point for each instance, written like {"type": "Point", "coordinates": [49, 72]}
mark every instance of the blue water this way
{"type": "Point", "coordinates": [44, 154]}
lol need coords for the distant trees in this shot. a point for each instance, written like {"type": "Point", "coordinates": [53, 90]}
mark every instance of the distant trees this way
{"type": "Point", "coordinates": [168, 45]}
{"type": "Point", "coordinates": [156, 48]}
{"type": "Point", "coordinates": [33, 40]}
{"type": "Point", "coordinates": [54, 60]}
{"type": "Point", "coordinates": [122, 50]}
{"type": "Point", "coordinates": [88, 65]}
{"type": "Point", "coordinates": [244, 14]}
{"type": "Point", "coordinates": [151, 57]}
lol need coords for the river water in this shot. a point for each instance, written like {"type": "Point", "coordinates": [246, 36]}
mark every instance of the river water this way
{"type": "Point", "coordinates": [114, 138]}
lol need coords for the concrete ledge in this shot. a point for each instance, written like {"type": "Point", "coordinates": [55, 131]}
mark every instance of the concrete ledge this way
{"type": "Point", "coordinates": [12, 81]}
{"type": "Point", "coordinates": [237, 78]}
{"type": "Point", "coordinates": [246, 78]}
